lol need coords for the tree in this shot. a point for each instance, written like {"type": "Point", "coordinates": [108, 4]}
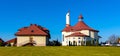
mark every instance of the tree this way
{"type": "Point", "coordinates": [54, 43]}
{"type": "Point", "coordinates": [1, 42]}
{"type": "Point", "coordinates": [113, 39]}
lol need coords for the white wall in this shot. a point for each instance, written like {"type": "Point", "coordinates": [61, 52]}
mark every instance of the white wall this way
{"type": "Point", "coordinates": [71, 39]}
{"type": "Point", "coordinates": [65, 40]}
{"type": "Point", "coordinates": [86, 32]}
{"type": "Point", "coordinates": [92, 34]}
{"type": "Point", "coordinates": [39, 40]}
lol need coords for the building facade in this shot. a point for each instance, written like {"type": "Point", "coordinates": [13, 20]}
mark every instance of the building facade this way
{"type": "Point", "coordinates": [79, 34]}
{"type": "Point", "coordinates": [33, 35]}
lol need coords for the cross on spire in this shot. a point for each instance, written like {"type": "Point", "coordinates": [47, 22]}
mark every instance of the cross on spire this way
{"type": "Point", "coordinates": [80, 17]}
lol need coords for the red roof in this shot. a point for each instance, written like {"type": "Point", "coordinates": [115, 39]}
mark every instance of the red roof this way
{"type": "Point", "coordinates": [77, 34]}
{"type": "Point", "coordinates": [79, 26]}
{"type": "Point", "coordinates": [67, 29]}
{"type": "Point", "coordinates": [12, 40]}
{"type": "Point", "coordinates": [82, 26]}
{"type": "Point", "coordinates": [33, 30]}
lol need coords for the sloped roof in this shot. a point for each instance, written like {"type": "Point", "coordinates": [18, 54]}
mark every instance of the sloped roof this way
{"type": "Point", "coordinates": [82, 26]}
{"type": "Point", "coordinates": [67, 29]}
{"type": "Point", "coordinates": [79, 26]}
{"type": "Point", "coordinates": [12, 40]}
{"type": "Point", "coordinates": [33, 30]}
{"type": "Point", "coordinates": [77, 34]}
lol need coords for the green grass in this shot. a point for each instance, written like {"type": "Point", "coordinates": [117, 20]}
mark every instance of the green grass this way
{"type": "Point", "coordinates": [60, 51]}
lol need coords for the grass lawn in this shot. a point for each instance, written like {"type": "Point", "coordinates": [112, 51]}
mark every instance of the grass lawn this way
{"type": "Point", "coordinates": [60, 51]}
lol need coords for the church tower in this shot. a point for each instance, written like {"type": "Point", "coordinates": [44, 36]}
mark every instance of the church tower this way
{"type": "Point", "coordinates": [68, 19]}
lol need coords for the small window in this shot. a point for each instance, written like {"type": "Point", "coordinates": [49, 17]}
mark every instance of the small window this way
{"type": "Point", "coordinates": [32, 30]}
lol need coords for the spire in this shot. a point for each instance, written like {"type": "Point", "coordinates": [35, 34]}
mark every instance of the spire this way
{"type": "Point", "coordinates": [68, 19]}
{"type": "Point", "coordinates": [80, 18]}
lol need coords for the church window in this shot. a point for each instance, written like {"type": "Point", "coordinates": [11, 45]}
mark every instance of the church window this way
{"type": "Point", "coordinates": [78, 41]}
{"type": "Point", "coordinates": [63, 37]}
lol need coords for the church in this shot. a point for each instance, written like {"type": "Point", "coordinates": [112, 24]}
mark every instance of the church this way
{"type": "Point", "coordinates": [80, 34]}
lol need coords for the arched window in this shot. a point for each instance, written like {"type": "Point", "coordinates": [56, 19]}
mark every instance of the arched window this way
{"type": "Point", "coordinates": [63, 37]}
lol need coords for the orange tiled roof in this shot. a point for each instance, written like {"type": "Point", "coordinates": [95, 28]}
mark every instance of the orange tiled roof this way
{"type": "Point", "coordinates": [67, 29]}
{"type": "Point", "coordinates": [33, 30]}
{"type": "Point", "coordinates": [77, 34]}
{"type": "Point", "coordinates": [12, 40]}
{"type": "Point", "coordinates": [82, 26]}
{"type": "Point", "coordinates": [79, 26]}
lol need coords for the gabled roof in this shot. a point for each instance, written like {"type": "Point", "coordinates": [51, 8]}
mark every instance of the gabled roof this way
{"type": "Point", "coordinates": [77, 34]}
{"type": "Point", "coordinates": [32, 30]}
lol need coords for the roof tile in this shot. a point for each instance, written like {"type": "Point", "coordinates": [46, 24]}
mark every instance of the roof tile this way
{"type": "Point", "coordinates": [77, 34]}
{"type": "Point", "coordinates": [33, 29]}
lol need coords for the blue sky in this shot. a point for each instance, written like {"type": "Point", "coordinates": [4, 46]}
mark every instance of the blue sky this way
{"type": "Point", "coordinates": [103, 15]}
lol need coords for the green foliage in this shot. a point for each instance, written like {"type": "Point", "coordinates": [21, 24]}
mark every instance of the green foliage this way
{"type": "Point", "coordinates": [88, 43]}
{"type": "Point", "coordinates": [1, 43]}
{"type": "Point", "coordinates": [54, 43]}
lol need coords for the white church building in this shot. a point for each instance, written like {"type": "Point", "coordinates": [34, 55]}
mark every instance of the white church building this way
{"type": "Point", "coordinates": [80, 34]}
